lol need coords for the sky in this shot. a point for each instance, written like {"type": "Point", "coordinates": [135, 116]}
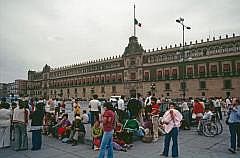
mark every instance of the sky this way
{"type": "Point", "coordinates": [64, 32]}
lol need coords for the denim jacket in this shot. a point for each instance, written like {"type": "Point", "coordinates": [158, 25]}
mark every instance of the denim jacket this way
{"type": "Point", "coordinates": [234, 115]}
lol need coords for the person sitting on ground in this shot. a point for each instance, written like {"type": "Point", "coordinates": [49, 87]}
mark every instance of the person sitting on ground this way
{"type": "Point", "coordinates": [97, 135]}
{"type": "Point", "coordinates": [118, 143]}
{"type": "Point", "coordinates": [118, 147]}
{"type": "Point", "coordinates": [64, 127]}
{"type": "Point", "coordinates": [77, 131]}
{"type": "Point", "coordinates": [121, 142]}
{"type": "Point", "coordinates": [85, 118]}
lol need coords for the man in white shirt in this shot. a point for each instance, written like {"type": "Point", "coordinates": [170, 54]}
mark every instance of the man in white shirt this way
{"type": "Point", "coordinates": [94, 108]}
{"type": "Point", "coordinates": [186, 114]}
{"type": "Point", "coordinates": [218, 108]}
{"type": "Point", "coordinates": [121, 108]}
{"type": "Point", "coordinates": [228, 102]}
{"type": "Point", "coordinates": [147, 105]}
{"type": "Point", "coordinates": [148, 99]}
{"type": "Point", "coordinates": [121, 105]}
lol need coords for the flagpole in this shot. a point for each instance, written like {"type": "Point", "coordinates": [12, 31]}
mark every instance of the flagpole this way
{"type": "Point", "coordinates": [134, 26]}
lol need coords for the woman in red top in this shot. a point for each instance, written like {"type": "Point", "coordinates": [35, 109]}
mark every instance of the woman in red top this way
{"type": "Point", "coordinates": [198, 109]}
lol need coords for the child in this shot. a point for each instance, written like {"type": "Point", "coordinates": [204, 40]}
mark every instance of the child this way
{"type": "Point", "coordinates": [97, 134]}
{"type": "Point", "coordinates": [85, 118]}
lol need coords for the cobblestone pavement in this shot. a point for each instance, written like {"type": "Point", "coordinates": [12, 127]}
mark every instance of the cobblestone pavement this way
{"type": "Point", "coordinates": [191, 146]}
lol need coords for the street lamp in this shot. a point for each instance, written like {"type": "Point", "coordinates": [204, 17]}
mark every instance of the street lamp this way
{"type": "Point", "coordinates": [153, 87]}
{"type": "Point", "coordinates": [180, 21]}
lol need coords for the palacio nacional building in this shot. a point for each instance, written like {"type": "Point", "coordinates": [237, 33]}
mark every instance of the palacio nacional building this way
{"type": "Point", "coordinates": [208, 67]}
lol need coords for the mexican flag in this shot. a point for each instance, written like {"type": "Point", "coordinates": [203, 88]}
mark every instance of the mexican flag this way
{"type": "Point", "coordinates": [137, 23]}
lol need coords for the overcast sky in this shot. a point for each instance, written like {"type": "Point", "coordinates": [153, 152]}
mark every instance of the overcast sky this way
{"type": "Point", "coordinates": [62, 32]}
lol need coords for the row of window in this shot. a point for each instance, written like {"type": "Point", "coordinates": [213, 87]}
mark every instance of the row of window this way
{"type": "Point", "coordinates": [199, 52]}
{"type": "Point", "coordinates": [203, 94]}
{"type": "Point", "coordinates": [114, 78]}
{"type": "Point", "coordinates": [227, 84]}
{"type": "Point", "coordinates": [192, 70]}
{"type": "Point", "coordinates": [35, 93]}
{"type": "Point", "coordinates": [86, 69]}
{"type": "Point", "coordinates": [84, 91]}
{"type": "Point", "coordinates": [85, 81]}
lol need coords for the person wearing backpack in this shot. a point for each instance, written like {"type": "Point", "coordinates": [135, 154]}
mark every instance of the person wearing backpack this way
{"type": "Point", "coordinates": [108, 128]}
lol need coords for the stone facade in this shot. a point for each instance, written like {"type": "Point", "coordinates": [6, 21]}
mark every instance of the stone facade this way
{"type": "Point", "coordinates": [3, 90]}
{"type": "Point", "coordinates": [17, 88]}
{"type": "Point", "coordinates": [209, 68]}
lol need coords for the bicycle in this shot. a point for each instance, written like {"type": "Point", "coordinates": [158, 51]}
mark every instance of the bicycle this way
{"type": "Point", "coordinates": [208, 128]}
{"type": "Point", "coordinates": [216, 120]}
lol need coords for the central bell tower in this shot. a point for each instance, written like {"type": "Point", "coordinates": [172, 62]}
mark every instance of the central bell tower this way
{"type": "Point", "coordinates": [133, 61]}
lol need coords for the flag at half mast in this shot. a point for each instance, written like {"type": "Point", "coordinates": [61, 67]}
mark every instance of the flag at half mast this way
{"type": "Point", "coordinates": [137, 23]}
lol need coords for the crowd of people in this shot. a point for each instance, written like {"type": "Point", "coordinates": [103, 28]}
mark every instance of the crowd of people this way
{"type": "Point", "coordinates": [114, 126]}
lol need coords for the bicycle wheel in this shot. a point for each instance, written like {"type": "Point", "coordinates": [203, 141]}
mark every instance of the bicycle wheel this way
{"type": "Point", "coordinates": [220, 127]}
{"type": "Point", "coordinates": [210, 129]}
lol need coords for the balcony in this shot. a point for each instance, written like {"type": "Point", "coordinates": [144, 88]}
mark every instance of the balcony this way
{"type": "Point", "coordinates": [189, 76]}
{"type": "Point", "coordinates": [202, 74]}
{"type": "Point", "coordinates": [213, 74]}
{"type": "Point", "coordinates": [227, 74]}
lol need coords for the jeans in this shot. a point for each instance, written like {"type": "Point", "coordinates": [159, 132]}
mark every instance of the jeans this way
{"type": "Point", "coordinates": [186, 117]}
{"type": "Point", "coordinates": [21, 140]}
{"type": "Point", "coordinates": [36, 139]}
{"type": "Point", "coordinates": [4, 136]}
{"type": "Point", "coordinates": [172, 134]}
{"type": "Point", "coordinates": [234, 129]}
{"type": "Point", "coordinates": [219, 112]}
{"type": "Point", "coordinates": [107, 143]}
{"type": "Point", "coordinates": [238, 135]}
{"type": "Point", "coordinates": [155, 126]}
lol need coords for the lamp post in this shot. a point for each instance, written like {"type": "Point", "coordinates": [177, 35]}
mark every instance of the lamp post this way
{"type": "Point", "coordinates": [180, 21]}
{"type": "Point", "coordinates": [153, 87]}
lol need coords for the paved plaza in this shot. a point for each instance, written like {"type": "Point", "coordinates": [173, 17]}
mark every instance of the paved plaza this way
{"type": "Point", "coordinates": [191, 146]}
